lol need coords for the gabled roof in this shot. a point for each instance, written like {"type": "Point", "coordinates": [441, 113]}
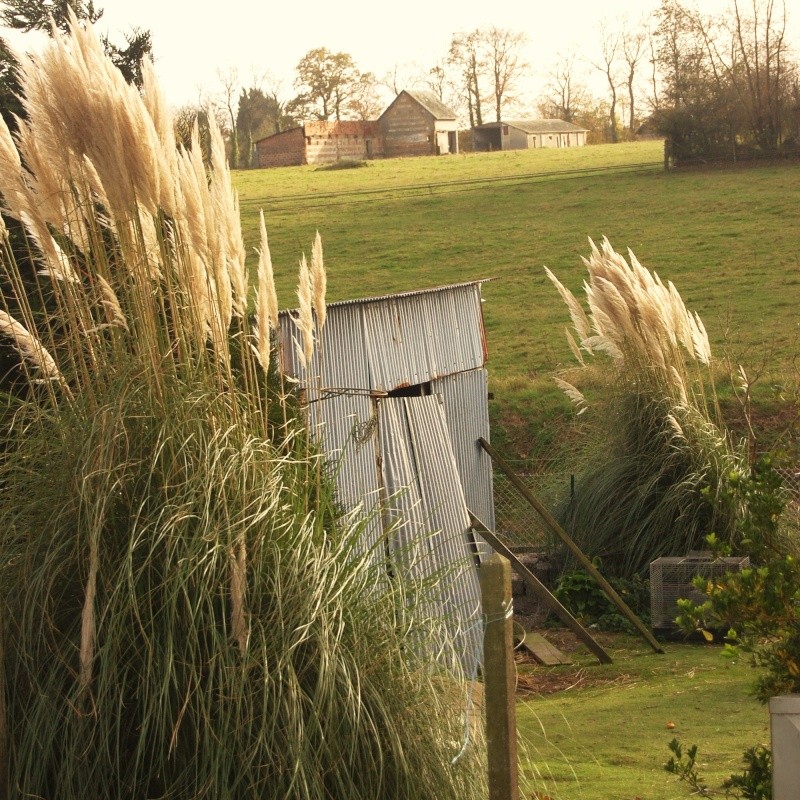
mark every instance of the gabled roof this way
{"type": "Point", "coordinates": [537, 126]}
{"type": "Point", "coordinates": [429, 101]}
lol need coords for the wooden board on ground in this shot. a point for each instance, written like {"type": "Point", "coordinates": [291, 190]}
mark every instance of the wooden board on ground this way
{"type": "Point", "coordinates": [543, 651]}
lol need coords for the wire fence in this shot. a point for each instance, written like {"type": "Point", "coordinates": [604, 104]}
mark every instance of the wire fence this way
{"type": "Point", "coordinates": [518, 524]}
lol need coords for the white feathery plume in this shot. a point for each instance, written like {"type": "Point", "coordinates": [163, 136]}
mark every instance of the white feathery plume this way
{"type": "Point", "coordinates": [319, 281]}
{"type": "Point", "coordinates": [576, 312]}
{"type": "Point", "coordinates": [574, 394]}
{"type": "Point", "coordinates": [30, 348]}
{"type": "Point", "coordinates": [265, 292]}
{"type": "Point", "coordinates": [305, 317]}
{"type": "Point", "coordinates": [573, 346]}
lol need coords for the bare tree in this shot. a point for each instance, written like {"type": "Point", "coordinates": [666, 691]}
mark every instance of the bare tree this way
{"type": "Point", "coordinates": [736, 68]}
{"type": "Point", "coordinates": [565, 95]}
{"type": "Point", "coordinates": [399, 77]}
{"type": "Point", "coordinates": [760, 42]}
{"type": "Point", "coordinates": [437, 80]}
{"type": "Point", "coordinates": [633, 50]}
{"type": "Point", "coordinates": [467, 57]}
{"type": "Point", "coordinates": [504, 60]}
{"type": "Point", "coordinates": [229, 99]}
{"type": "Point", "coordinates": [609, 51]}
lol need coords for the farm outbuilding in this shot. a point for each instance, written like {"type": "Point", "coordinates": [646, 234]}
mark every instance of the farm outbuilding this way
{"type": "Point", "coordinates": [320, 142]}
{"type": "Point", "coordinates": [418, 124]}
{"type": "Point", "coordinates": [415, 124]}
{"type": "Point", "coordinates": [397, 392]}
{"type": "Point", "coordinates": [527, 134]}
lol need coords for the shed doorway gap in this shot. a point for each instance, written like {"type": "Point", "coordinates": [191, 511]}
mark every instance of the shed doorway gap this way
{"type": "Point", "coordinates": [415, 390]}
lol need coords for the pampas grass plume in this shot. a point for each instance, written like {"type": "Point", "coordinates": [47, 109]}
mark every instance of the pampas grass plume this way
{"type": "Point", "coordinates": [319, 281]}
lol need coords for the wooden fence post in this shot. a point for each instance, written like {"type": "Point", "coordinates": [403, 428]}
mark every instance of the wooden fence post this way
{"type": "Point", "coordinates": [498, 679]}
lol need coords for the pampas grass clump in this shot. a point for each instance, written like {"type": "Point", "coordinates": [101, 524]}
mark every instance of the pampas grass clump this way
{"type": "Point", "coordinates": [650, 479]}
{"type": "Point", "coordinates": [185, 613]}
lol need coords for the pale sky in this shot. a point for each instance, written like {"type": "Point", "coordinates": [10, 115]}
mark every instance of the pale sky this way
{"type": "Point", "coordinates": [192, 45]}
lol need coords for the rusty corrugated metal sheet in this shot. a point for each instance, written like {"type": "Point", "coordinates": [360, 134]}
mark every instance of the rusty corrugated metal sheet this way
{"type": "Point", "coordinates": [433, 541]}
{"type": "Point", "coordinates": [415, 339]}
{"type": "Point", "coordinates": [465, 398]}
{"type": "Point", "coordinates": [382, 344]}
{"type": "Point", "coordinates": [340, 362]}
{"type": "Point", "coordinates": [346, 425]}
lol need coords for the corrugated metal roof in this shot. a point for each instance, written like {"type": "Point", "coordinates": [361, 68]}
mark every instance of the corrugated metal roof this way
{"type": "Point", "coordinates": [537, 126]}
{"type": "Point", "coordinates": [383, 297]}
{"type": "Point", "coordinates": [381, 344]}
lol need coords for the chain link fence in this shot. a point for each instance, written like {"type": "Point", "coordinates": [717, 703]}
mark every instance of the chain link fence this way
{"type": "Point", "coordinates": [517, 522]}
{"type": "Point", "coordinates": [519, 525]}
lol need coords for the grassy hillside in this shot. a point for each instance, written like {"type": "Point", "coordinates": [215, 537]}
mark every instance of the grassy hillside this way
{"type": "Point", "coordinates": [726, 238]}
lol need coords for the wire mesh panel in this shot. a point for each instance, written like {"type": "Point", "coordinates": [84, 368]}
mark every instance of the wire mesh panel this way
{"type": "Point", "coordinates": [517, 522]}
{"type": "Point", "coordinates": [671, 580]}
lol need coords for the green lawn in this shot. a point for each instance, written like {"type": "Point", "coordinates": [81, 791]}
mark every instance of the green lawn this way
{"type": "Point", "coordinates": [610, 741]}
{"type": "Point", "coordinates": [727, 238]}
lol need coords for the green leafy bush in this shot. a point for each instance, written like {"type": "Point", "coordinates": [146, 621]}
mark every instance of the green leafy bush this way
{"type": "Point", "coordinates": [582, 596]}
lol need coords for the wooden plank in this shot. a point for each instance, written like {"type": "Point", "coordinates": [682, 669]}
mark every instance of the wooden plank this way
{"type": "Point", "coordinates": [543, 651]}
{"type": "Point", "coordinates": [573, 548]}
{"type": "Point", "coordinates": [544, 594]}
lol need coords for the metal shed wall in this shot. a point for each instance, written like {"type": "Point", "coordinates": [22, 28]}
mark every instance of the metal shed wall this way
{"type": "Point", "coordinates": [415, 459]}
{"type": "Point", "coordinates": [432, 541]}
{"type": "Point", "coordinates": [388, 343]}
{"type": "Point", "coordinates": [465, 403]}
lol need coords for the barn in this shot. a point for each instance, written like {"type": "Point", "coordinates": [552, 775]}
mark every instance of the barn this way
{"type": "Point", "coordinates": [320, 142]}
{"type": "Point", "coordinates": [527, 134]}
{"type": "Point", "coordinates": [417, 123]}
{"type": "Point", "coordinates": [397, 392]}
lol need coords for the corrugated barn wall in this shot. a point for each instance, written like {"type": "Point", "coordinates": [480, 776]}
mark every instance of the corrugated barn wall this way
{"type": "Point", "coordinates": [397, 391]}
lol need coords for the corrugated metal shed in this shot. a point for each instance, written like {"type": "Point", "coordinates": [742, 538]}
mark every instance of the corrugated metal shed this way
{"type": "Point", "coordinates": [397, 391]}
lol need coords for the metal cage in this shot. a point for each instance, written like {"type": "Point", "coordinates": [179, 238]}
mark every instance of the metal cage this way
{"type": "Point", "coordinates": [671, 579]}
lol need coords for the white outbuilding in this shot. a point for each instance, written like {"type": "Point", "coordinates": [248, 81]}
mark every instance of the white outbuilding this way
{"type": "Point", "coordinates": [527, 134]}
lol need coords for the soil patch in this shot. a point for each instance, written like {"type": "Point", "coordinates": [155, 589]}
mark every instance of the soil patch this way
{"type": "Point", "coordinates": [533, 678]}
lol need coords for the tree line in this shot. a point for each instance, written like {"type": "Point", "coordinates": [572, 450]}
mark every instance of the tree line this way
{"type": "Point", "coordinates": [724, 86]}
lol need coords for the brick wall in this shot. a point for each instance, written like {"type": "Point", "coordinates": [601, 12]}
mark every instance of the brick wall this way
{"type": "Point", "coordinates": [321, 142]}
{"type": "Point", "coordinates": [327, 142]}
{"type": "Point", "coordinates": [407, 129]}
{"type": "Point", "coordinates": [286, 149]}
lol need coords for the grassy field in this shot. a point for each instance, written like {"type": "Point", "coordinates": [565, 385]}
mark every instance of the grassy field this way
{"type": "Point", "coordinates": [606, 733]}
{"type": "Point", "coordinates": [727, 239]}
